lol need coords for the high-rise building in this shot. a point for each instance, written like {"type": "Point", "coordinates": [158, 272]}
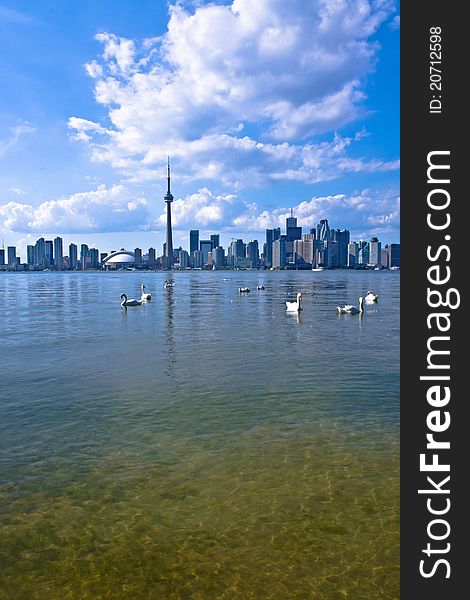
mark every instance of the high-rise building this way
{"type": "Point", "coordinates": [30, 255]}
{"type": "Point", "coordinates": [103, 255]}
{"type": "Point", "coordinates": [49, 253]}
{"type": "Point", "coordinates": [352, 254]}
{"type": "Point", "coordinates": [11, 256]}
{"type": "Point", "coordinates": [138, 257]}
{"type": "Point", "coordinates": [193, 241]}
{"type": "Point", "coordinates": [73, 256]}
{"type": "Point", "coordinates": [363, 253]}
{"type": "Point", "coordinates": [40, 252]}
{"type": "Point", "coordinates": [215, 239]}
{"type": "Point", "coordinates": [183, 259]}
{"type": "Point", "coordinates": [94, 258]}
{"type": "Point", "coordinates": [252, 253]}
{"type": "Point", "coordinates": [238, 249]}
{"type": "Point", "coordinates": [2, 257]}
{"type": "Point", "coordinates": [322, 230]}
{"type": "Point", "coordinates": [84, 256]}
{"type": "Point", "coordinates": [279, 252]}
{"type": "Point", "coordinates": [342, 237]}
{"type": "Point", "coordinates": [58, 253]}
{"type": "Point", "coordinates": [197, 259]}
{"type": "Point", "coordinates": [268, 248]}
{"type": "Point", "coordinates": [303, 250]}
{"type": "Point", "coordinates": [205, 246]}
{"type": "Point", "coordinates": [384, 258]}
{"type": "Point", "coordinates": [374, 252]}
{"type": "Point", "coordinates": [152, 258]}
{"type": "Point", "coordinates": [218, 257]}
{"type": "Point", "coordinates": [393, 255]}
{"type": "Point", "coordinates": [169, 258]}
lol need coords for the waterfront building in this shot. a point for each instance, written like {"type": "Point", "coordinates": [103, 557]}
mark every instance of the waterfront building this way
{"type": "Point", "coordinates": [103, 255]}
{"type": "Point", "coordinates": [138, 257]}
{"type": "Point", "coordinates": [215, 239]}
{"type": "Point", "coordinates": [332, 255]}
{"type": "Point", "coordinates": [352, 254]}
{"type": "Point", "coordinates": [183, 259]}
{"type": "Point", "coordinates": [303, 250]}
{"type": "Point", "coordinates": [94, 258]}
{"type": "Point", "coordinates": [2, 257]}
{"type": "Point", "coordinates": [11, 256]}
{"type": "Point", "coordinates": [152, 259]}
{"type": "Point", "coordinates": [40, 252]}
{"type": "Point", "coordinates": [198, 259]}
{"type": "Point", "coordinates": [205, 246]}
{"type": "Point", "coordinates": [58, 253]}
{"type": "Point", "coordinates": [193, 241]}
{"type": "Point", "coordinates": [268, 248]}
{"type": "Point", "coordinates": [84, 256]}
{"type": "Point", "coordinates": [119, 260]}
{"type": "Point", "coordinates": [238, 249]}
{"type": "Point", "coordinates": [252, 253]}
{"type": "Point", "coordinates": [49, 253]}
{"type": "Point", "coordinates": [279, 252]}
{"type": "Point", "coordinates": [363, 253]}
{"type": "Point", "coordinates": [30, 255]}
{"type": "Point", "coordinates": [169, 258]}
{"type": "Point", "coordinates": [374, 252]}
{"type": "Point", "coordinates": [73, 256]}
{"type": "Point", "coordinates": [218, 257]}
{"type": "Point", "coordinates": [342, 236]}
{"type": "Point", "coordinates": [384, 258]}
{"type": "Point", "coordinates": [393, 255]}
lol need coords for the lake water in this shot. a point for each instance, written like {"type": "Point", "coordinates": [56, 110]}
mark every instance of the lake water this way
{"type": "Point", "coordinates": [205, 445]}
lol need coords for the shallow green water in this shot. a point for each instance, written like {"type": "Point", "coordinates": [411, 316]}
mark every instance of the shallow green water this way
{"type": "Point", "coordinates": [206, 445]}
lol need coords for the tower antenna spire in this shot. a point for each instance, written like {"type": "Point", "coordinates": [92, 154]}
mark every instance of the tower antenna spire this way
{"type": "Point", "coordinates": [168, 174]}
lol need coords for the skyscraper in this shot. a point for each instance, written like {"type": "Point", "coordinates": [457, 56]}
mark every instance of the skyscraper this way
{"type": "Point", "coordinates": [84, 256]}
{"type": "Point", "coordinates": [73, 255]}
{"type": "Point", "coordinates": [205, 246]}
{"type": "Point", "coordinates": [58, 253]}
{"type": "Point", "coordinates": [2, 257]}
{"type": "Point", "coordinates": [169, 258]}
{"type": "Point", "coordinates": [268, 248]}
{"type": "Point", "coordinates": [252, 253]}
{"type": "Point", "coordinates": [152, 258]}
{"type": "Point", "coordinates": [11, 256]}
{"type": "Point", "coordinates": [49, 253]}
{"type": "Point", "coordinates": [393, 255]}
{"type": "Point", "coordinates": [215, 238]}
{"type": "Point", "coordinates": [138, 257]}
{"type": "Point", "coordinates": [193, 241]}
{"type": "Point", "coordinates": [375, 252]}
{"type": "Point", "coordinates": [30, 255]}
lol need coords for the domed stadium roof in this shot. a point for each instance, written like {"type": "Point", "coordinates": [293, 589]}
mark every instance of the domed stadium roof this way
{"type": "Point", "coordinates": [120, 257]}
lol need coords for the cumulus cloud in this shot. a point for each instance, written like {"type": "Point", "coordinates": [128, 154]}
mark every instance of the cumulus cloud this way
{"type": "Point", "coordinates": [234, 85]}
{"type": "Point", "coordinates": [100, 210]}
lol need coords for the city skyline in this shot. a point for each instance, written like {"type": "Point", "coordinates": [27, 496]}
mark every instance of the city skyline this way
{"type": "Point", "coordinates": [261, 109]}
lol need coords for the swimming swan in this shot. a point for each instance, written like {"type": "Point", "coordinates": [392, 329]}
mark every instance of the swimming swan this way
{"type": "Point", "coordinates": [371, 297]}
{"type": "Point", "coordinates": [349, 309]}
{"type": "Point", "coordinates": [125, 302]}
{"type": "Point", "coordinates": [144, 296]}
{"type": "Point", "coordinates": [295, 306]}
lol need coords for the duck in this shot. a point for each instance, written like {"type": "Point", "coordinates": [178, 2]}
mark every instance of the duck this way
{"type": "Point", "coordinates": [295, 306]}
{"type": "Point", "coordinates": [132, 302]}
{"type": "Point", "coordinates": [261, 287]}
{"type": "Point", "coordinates": [168, 284]}
{"type": "Point", "coordinates": [350, 309]}
{"type": "Point", "coordinates": [145, 296]}
{"type": "Point", "coordinates": [371, 297]}
{"type": "Point", "coordinates": [243, 290]}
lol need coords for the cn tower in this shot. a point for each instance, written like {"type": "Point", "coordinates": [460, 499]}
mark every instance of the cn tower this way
{"type": "Point", "coordinates": [169, 233]}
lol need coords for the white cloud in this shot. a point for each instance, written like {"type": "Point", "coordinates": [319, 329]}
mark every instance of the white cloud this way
{"type": "Point", "coordinates": [231, 86]}
{"type": "Point", "coordinates": [17, 191]}
{"type": "Point", "coordinates": [16, 134]}
{"type": "Point", "coordinates": [100, 210]}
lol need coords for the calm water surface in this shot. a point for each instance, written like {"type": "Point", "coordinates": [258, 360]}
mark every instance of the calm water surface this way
{"type": "Point", "coordinates": [204, 445]}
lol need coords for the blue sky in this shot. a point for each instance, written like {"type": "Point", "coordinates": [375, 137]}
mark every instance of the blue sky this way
{"type": "Point", "coordinates": [262, 106]}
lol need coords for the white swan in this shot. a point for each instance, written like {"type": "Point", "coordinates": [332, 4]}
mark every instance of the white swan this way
{"type": "Point", "coordinates": [125, 302]}
{"type": "Point", "coordinates": [371, 297]}
{"type": "Point", "coordinates": [295, 306]}
{"type": "Point", "coordinates": [145, 296]}
{"type": "Point", "coordinates": [243, 290]}
{"type": "Point", "coordinates": [168, 284]}
{"type": "Point", "coordinates": [350, 309]}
